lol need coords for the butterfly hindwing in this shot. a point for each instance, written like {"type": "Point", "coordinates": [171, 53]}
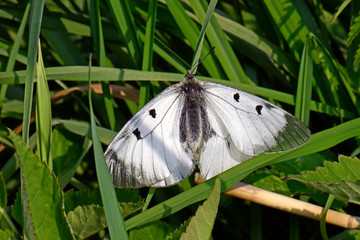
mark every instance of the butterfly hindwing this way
{"type": "Point", "coordinates": [147, 151]}
{"type": "Point", "coordinates": [218, 155]}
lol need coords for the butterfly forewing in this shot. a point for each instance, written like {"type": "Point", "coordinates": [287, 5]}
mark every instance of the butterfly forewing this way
{"type": "Point", "coordinates": [254, 125]}
{"type": "Point", "coordinates": [146, 152]}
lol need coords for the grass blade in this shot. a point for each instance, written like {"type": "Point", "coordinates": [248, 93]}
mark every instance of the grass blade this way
{"type": "Point", "coordinates": [124, 22]}
{"type": "Point", "coordinates": [112, 211]}
{"type": "Point", "coordinates": [43, 114]}
{"type": "Point", "coordinates": [35, 24]}
{"type": "Point", "coordinates": [191, 32]}
{"type": "Point", "coordinates": [148, 52]}
{"type": "Point", "coordinates": [304, 88]}
{"type": "Point", "coordinates": [200, 42]}
{"type": "Point", "coordinates": [224, 52]}
{"type": "Point", "coordinates": [98, 38]}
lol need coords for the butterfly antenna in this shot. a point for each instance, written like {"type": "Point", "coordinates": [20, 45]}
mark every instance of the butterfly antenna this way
{"type": "Point", "coordinates": [172, 55]}
{"type": "Point", "coordinates": [200, 61]}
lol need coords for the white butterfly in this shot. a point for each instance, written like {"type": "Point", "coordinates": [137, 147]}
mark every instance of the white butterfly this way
{"type": "Point", "coordinates": [195, 123]}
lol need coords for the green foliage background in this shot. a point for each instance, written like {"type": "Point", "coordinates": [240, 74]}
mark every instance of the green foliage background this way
{"type": "Point", "coordinates": [296, 54]}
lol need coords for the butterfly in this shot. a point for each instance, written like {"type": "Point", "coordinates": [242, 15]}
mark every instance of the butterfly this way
{"type": "Point", "coordinates": [196, 123]}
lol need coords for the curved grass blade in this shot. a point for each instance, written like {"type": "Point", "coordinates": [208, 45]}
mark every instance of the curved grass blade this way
{"type": "Point", "coordinates": [112, 212]}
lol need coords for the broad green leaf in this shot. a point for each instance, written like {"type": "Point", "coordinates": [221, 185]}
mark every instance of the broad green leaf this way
{"type": "Point", "coordinates": [338, 178]}
{"type": "Point", "coordinates": [201, 225]}
{"type": "Point", "coordinates": [65, 164]}
{"type": "Point", "coordinates": [43, 114]}
{"type": "Point", "coordinates": [42, 200]}
{"type": "Point", "coordinates": [177, 233]}
{"type": "Point", "coordinates": [87, 220]}
{"type": "Point", "coordinates": [6, 234]}
{"type": "Point", "coordinates": [269, 182]}
{"type": "Point", "coordinates": [156, 230]}
{"type": "Point", "coordinates": [124, 196]}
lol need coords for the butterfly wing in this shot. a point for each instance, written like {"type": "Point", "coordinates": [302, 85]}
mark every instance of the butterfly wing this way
{"type": "Point", "coordinates": [218, 155]}
{"type": "Point", "coordinates": [244, 126]}
{"type": "Point", "coordinates": [254, 125]}
{"type": "Point", "coordinates": [147, 151]}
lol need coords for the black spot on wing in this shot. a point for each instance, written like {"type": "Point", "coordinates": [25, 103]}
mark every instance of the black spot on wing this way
{"type": "Point", "coordinates": [152, 112]}
{"type": "Point", "coordinates": [136, 132]}
{"type": "Point", "coordinates": [258, 109]}
{"type": "Point", "coordinates": [236, 97]}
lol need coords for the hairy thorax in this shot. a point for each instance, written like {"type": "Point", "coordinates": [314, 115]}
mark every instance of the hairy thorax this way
{"type": "Point", "coordinates": [194, 124]}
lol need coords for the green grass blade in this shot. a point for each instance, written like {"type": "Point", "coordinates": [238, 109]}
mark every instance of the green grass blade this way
{"type": "Point", "coordinates": [15, 48]}
{"type": "Point", "coordinates": [35, 24]}
{"type": "Point", "coordinates": [290, 24]}
{"type": "Point", "coordinates": [98, 38]}
{"type": "Point", "coordinates": [200, 42]}
{"type": "Point", "coordinates": [323, 216]}
{"type": "Point", "coordinates": [318, 142]}
{"type": "Point", "coordinates": [340, 9]}
{"type": "Point", "coordinates": [43, 114]}
{"type": "Point", "coordinates": [224, 51]}
{"type": "Point", "coordinates": [148, 52]}
{"type": "Point", "coordinates": [14, 51]}
{"type": "Point", "coordinates": [112, 211]}
{"type": "Point", "coordinates": [79, 73]}
{"type": "Point", "coordinates": [125, 24]}
{"type": "Point", "coordinates": [304, 88]}
{"type": "Point", "coordinates": [149, 36]}
{"type": "Point", "coordinates": [191, 32]}
{"type": "Point", "coordinates": [255, 47]}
